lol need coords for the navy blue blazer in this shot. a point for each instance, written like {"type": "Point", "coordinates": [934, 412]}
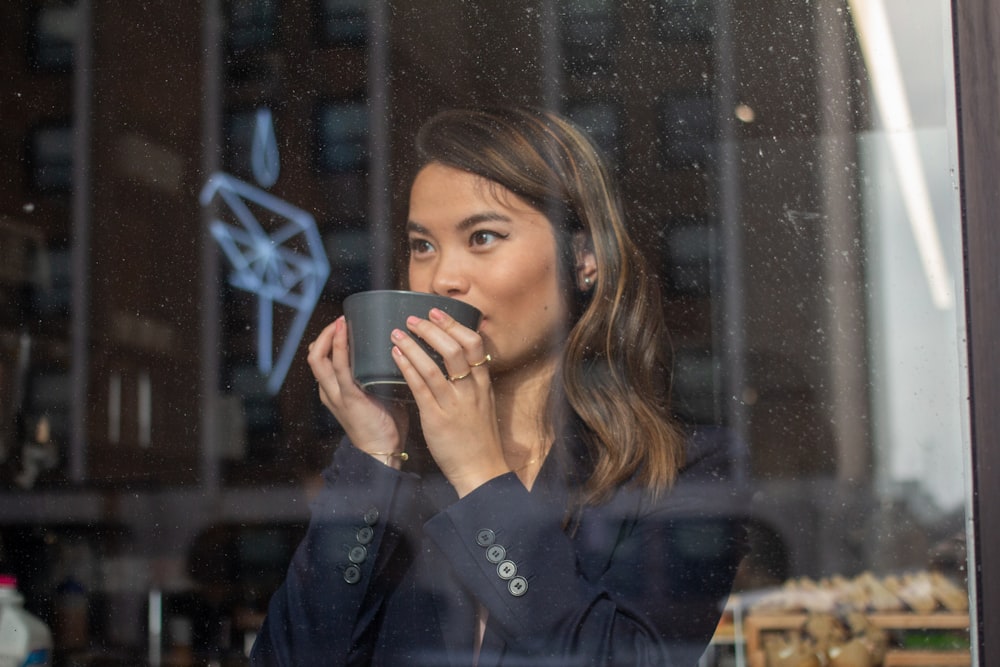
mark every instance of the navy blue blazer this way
{"type": "Point", "coordinates": [394, 567]}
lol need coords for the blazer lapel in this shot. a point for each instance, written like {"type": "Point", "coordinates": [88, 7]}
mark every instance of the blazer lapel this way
{"type": "Point", "coordinates": [454, 608]}
{"type": "Point", "coordinates": [456, 614]}
{"type": "Point", "coordinates": [492, 649]}
{"type": "Point", "coordinates": [595, 531]}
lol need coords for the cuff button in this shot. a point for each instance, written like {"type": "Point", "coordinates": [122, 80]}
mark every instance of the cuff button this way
{"type": "Point", "coordinates": [496, 553]}
{"type": "Point", "coordinates": [485, 538]}
{"type": "Point", "coordinates": [507, 569]}
{"type": "Point", "coordinates": [517, 586]}
{"type": "Point", "coordinates": [365, 535]}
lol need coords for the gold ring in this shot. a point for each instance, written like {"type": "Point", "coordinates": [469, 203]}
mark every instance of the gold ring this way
{"type": "Point", "coordinates": [455, 378]}
{"type": "Point", "coordinates": [485, 360]}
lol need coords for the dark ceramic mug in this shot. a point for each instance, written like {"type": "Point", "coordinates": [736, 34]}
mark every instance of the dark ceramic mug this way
{"type": "Point", "coordinates": [371, 317]}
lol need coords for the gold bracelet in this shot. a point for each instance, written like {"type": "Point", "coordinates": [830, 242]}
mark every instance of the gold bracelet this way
{"type": "Point", "coordinates": [402, 456]}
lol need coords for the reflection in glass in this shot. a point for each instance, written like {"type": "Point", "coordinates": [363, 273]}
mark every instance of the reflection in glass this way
{"type": "Point", "coordinates": [688, 125]}
{"type": "Point", "coordinates": [51, 158]}
{"type": "Point", "coordinates": [589, 30]}
{"type": "Point", "coordinates": [52, 35]}
{"type": "Point", "coordinates": [602, 121]}
{"type": "Point", "coordinates": [691, 247]}
{"type": "Point", "coordinates": [252, 24]}
{"type": "Point", "coordinates": [686, 20]}
{"type": "Point", "coordinates": [342, 136]}
{"type": "Point", "coordinates": [239, 127]}
{"type": "Point", "coordinates": [342, 22]}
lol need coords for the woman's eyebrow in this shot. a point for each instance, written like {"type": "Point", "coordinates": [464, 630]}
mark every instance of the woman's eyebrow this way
{"type": "Point", "coordinates": [471, 221]}
{"type": "Point", "coordinates": [486, 216]}
{"type": "Point", "coordinates": [416, 228]}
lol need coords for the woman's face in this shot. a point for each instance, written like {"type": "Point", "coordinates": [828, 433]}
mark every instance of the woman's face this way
{"type": "Point", "coordinates": [475, 241]}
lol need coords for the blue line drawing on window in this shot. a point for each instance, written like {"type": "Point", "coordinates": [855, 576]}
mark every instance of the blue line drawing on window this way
{"type": "Point", "coordinates": [264, 159]}
{"type": "Point", "coordinates": [274, 249]}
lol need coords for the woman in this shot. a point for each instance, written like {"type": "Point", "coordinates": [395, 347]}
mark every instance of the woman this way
{"type": "Point", "coordinates": [525, 515]}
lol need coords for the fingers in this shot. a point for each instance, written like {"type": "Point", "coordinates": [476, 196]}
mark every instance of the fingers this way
{"type": "Point", "coordinates": [319, 359]}
{"type": "Point", "coordinates": [340, 356]}
{"type": "Point", "coordinates": [457, 410]}
{"type": "Point", "coordinates": [330, 364]}
{"type": "Point", "coordinates": [460, 348]}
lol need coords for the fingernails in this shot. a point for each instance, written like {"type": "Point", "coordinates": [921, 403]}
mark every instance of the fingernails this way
{"type": "Point", "coordinates": [397, 334]}
{"type": "Point", "coordinates": [412, 321]}
{"type": "Point", "coordinates": [437, 315]}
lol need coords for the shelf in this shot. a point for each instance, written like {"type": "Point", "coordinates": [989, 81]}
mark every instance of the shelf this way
{"type": "Point", "coordinates": [756, 625]}
{"type": "Point", "coordinates": [927, 659]}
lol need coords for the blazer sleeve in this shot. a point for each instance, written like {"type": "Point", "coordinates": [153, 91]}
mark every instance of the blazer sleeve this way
{"type": "Point", "coordinates": [621, 592]}
{"type": "Point", "coordinates": [327, 609]}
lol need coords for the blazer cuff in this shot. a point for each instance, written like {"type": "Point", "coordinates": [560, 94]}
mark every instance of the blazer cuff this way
{"type": "Point", "coordinates": [510, 550]}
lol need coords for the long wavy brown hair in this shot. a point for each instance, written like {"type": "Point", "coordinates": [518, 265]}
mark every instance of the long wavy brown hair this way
{"type": "Point", "coordinates": [613, 374]}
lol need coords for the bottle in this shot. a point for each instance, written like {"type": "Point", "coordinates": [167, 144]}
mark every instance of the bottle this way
{"type": "Point", "coordinates": [71, 624]}
{"type": "Point", "coordinates": [24, 639]}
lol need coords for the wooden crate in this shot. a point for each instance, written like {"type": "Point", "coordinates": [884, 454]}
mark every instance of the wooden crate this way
{"type": "Point", "coordinates": [755, 626]}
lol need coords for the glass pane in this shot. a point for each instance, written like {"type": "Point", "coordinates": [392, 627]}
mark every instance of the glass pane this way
{"type": "Point", "coordinates": [192, 196]}
{"type": "Point", "coordinates": [342, 21]}
{"type": "Point", "coordinates": [52, 158]}
{"type": "Point", "coordinates": [251, 23]}
{"type": "Point", "coordinates": [52, 34]}
{"type": "Point", "coordinates": [342, 128]}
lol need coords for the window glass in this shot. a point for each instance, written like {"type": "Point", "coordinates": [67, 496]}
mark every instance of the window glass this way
{"type": "Point", "coordinates": [51, 157]}
{"type": "Point", "coordinates": [191, 196]}
{"type": "Point", "coordinates": [251, 23]}
{"type": "Point", "coordinates": [342, 21]}
{"type": "Point", "coordinates": [53, 31]}
{"type": "Point", "coordinates": [342, 129]}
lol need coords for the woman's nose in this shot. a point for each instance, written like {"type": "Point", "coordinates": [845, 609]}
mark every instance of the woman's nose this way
{"type": "Point", "coordinates": [449, 278]}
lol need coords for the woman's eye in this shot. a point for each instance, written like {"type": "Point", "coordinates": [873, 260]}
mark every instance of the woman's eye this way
{"type": "Point", "coordinates": [484, 237]}
{"type": "Point", "coordinates": [419, 247]}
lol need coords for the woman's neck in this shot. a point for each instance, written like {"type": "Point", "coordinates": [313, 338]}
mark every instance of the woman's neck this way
{"type": "Point", "coordinates": [521, 397]}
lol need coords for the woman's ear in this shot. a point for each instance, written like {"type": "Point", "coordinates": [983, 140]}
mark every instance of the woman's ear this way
{"type": "Point", "coordinates": [585, 261]}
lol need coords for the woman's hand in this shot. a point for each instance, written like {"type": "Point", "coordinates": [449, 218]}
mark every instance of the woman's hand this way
{"type": "Point", "coordinates": [458, 415]}
{"type": "Point", "coordinates": [371, 425]}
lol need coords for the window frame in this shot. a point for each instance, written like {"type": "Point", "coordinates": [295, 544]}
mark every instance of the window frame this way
{"type": "Point", "coordinates": [976, 25]}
